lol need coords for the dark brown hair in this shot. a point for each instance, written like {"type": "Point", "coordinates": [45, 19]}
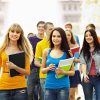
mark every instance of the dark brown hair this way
{"type": "Point", "coordinates": [64, 44]}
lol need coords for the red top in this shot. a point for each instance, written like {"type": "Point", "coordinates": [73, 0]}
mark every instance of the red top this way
{"type": "Point", "coordinates": [93, 67]}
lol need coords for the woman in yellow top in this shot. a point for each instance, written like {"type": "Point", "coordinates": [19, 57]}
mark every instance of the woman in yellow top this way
{"type": "Point", "coordinates": [14, 88]}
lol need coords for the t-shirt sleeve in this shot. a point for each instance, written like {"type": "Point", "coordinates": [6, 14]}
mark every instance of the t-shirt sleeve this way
{"type": "Point", "coordinates": [38, 51]}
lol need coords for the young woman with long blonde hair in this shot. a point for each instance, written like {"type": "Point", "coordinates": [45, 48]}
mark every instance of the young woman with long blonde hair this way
{"type": "Point", "coordinates": [14, 88]}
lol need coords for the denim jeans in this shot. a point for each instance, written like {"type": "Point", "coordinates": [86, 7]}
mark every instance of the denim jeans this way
{"type": "Point", "coordinates": [56, 94]}
{"type": "Point", "coordinates": [16, 94]}
{"type": "Point", "coordinates": [42, 82]}
{"type": "Point", "coordinates": [88, 88]}
{"type": "Point", "coordinates": [33, 84]}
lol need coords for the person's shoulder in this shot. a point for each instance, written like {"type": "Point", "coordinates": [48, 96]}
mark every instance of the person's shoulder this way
{"type": "Point", "coordinates": [3, 53]}
{"type": "Point", "coordinates": [99, 39]}
{"type": "Point", "coordinates": [46, 50]}
{"type": "Point", "coordinates": [34, 37]}
{"type": "Point", "coordinates": [39, 44]}
{"type": "Point", "coordinates": [42, 41]}
{"type": "Point", "coordinates": [31, 38]}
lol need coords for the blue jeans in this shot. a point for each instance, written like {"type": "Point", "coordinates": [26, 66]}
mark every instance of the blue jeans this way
{"type": "Point", "coordinates": [56, 94]}
{"type": "Point", "coordinates": [33, 84]}
{"type": "Point", "coordinates": [42, 83]}
{"type": "Point", "coordinates": [16, 94]}
{"type": "Point", "coordinates": [88, 88]}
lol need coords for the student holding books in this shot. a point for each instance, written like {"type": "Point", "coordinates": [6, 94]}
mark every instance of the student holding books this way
{"type": "Point", "coordinates": [56, 88]}
{"type": "Point", "coordinates": [14, 88]}
{"type": "Point", "coordinates": [76, 79]}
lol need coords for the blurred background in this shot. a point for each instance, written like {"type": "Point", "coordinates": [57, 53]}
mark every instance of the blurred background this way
{"type": "Point", "coordinates": [28, 12]}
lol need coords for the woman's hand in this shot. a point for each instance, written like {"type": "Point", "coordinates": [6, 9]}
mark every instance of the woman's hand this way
{"type": "Point", "coordinates": [18, 69]}
{"type": "Point", "coordinates": [86, 78]}
{"type": "Point", "coordinates": [75, 59]}
{"type": "Point", "coordinates": [59, 71]}
{"type": "Point", "coordinates": [51, 67]}
{"type": "Point", "coordinates": [11, 65]}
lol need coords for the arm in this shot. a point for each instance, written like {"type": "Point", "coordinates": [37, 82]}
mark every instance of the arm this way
{"type": "Point", "coordinates": [38, 53]}
{"type": "Point", "coordinates": [22, 71]}
{"type": "Point", "coordinates": [37, 62]}
{"type": "Point", "coordinates": [44, 68]}
{"type": "Point", "coordinates": [86, 78]}
{"type": "Point", "coordinates": [71, 72]}
{"type": "Point", "coordinates": [76, 59]}
{"type": "Point", "coordinates": [76, 54]}
{"type": "Point", "coordinates": [83, 68]}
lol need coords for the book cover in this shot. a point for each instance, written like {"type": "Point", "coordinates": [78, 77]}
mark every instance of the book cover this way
{"type": "Point", "coordinates": [76, 54]}
{"type": "Point", "coordinates": [75, 49]}
{"type": "Point", "coordinates": [40, 59]}
{"type": "Point", "coordinates": [19, 60]}
{"type": "Point", "coordinates": [65, 65]}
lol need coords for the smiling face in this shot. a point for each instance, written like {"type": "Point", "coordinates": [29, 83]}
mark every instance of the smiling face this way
{"type": "Point", "coordinates": [89, 37]}
{"type": "Point", "coordinates": [56, 38]}
{"type": "Point", "coordinates": [14, 35]}
{"type": "Point", "coordinates": [40, 29]}
{"type": "Point", "coordinates": [68, 35]}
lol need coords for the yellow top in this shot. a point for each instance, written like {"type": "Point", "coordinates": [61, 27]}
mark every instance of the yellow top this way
{"type": "Point", "coordinates": [43, 44]}
{"type": "Point", "coordinates": [7, 82]}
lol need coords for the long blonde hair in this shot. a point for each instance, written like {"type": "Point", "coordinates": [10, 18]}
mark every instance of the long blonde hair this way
{"type": "Point", "coordinates": [23, 43]}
